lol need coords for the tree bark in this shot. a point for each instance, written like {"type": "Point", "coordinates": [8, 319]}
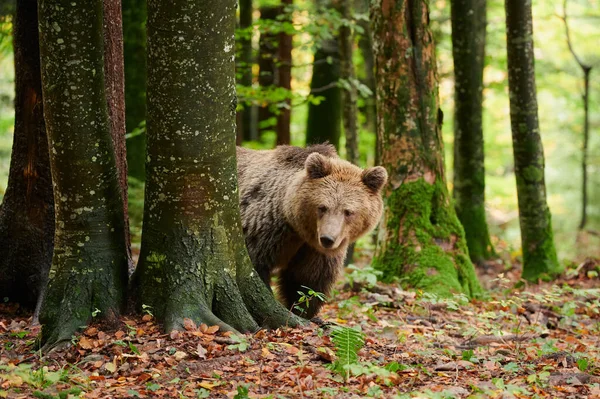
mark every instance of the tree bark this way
{"type": "Point", "coordinates": [325, 119]}
{"type": "Point", "coordinates": [539, 253]}
{"type": "Point", "coordinates": [89, 265]}
{"type": "Point", "coordinates": [27, 210]}
{"type": "Point", "coordinates": [134, 32]}
{"type": "Point", "coordinates": [245, 128]}
{"type": "Point", "coordinates": [584, 149]}
{"type": "Point", "coordinates": [285, 78]}
{"type": "Point", "coordinates": [194, 263]}
{"type": "Point", "coordinates": [267, 68]}
{"type": "Point", "coordinates": [349, 95]}
{"type": "Point", "coordinates": [586, 69]}
{"type": "Point", "coordinates": [114, 83]}
{"type": "Point", "coordinates": [422, 240]}
{"type": "Point", "coordinates": [365, 44]}
{"type": "Point", "coordinates": [468, 49]}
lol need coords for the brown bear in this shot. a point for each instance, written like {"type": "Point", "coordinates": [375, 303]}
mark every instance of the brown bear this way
{"type": "Point", "coordinates": [301, 208]}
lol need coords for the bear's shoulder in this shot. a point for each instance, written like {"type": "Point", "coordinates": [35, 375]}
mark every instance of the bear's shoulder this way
{"type": "Point", "coordinates": [295, 157]}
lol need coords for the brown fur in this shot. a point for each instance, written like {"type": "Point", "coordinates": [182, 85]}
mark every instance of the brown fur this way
{"type": "Point", "coordinates": [290, 198]}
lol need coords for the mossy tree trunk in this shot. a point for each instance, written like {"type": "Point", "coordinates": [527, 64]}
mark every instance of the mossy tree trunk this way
{"type": "Point", "coordinates": [421, 240]}
{"type": "Point", "coordinates": [89, 265]}
{"type": "Point", "coordinates": [285, 76]}
{"type": "Point", "coordinates": [245, 128]}
{"type": "Point", "coordinates": [468, 49]}
{"type": "Point", "coordinates": [27, 210]}
{"type": "Point", "coordinates": [193, 262]}
{"type": "Point", "coordinates": [539, 253]}
{"type": "Point", "coordinates": [325, 118]}
{"type": "Point", "coordinates": [134, 33]}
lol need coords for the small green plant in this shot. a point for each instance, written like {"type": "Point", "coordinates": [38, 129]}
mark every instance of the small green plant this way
{"type": "Point", "coordinates": [202, 393]}
{"type": "Point", "coordinates": [348, 342]}
{"type": "Point", "coordinates": [303, 302]}
{"type": "Point", "coordinates": [96, 312]}
{"type": "Point", "coordinates": [40, 378]}
{"type": "Point", "coordinates": [134, 348]}
{"type": "Point", "coordinates": [20, 334]}
{"type": "Point", "coordinates": [242, 392]}
{"type": "Point", "coordinates": [540, 379]}
{"type": "Point", "coordinates": [511, 367]}
{"type": "Point", "coordinates": [375, 391]}
{"type": "Point", "coordinates": [469, 356]}
{"type": "Point", "coordinates": [147, 309]}
{"type": "Point", "coordinates": [152, 387]}
{"type": "Point", "coordinates": [366, 275]}
{"type": "Point", "coordinates": [583, 364]}
{"type": "Point", "coordinates": [241, 343]}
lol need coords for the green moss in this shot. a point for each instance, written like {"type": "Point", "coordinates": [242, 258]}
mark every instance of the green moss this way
{"type": "Point", "coordinates": [475, 226]}
{"type": "Point", "coordinates": [540, 260]}
{"type": "Point", "coordinates": [533, 173]}
{"type": "Point", "coordinates": [425, 245]}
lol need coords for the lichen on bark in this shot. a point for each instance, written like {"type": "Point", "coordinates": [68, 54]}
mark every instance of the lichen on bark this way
{"type": "Point", "coordinates": [421, 240]}
{"type": "Point", "coordinates": [193, 261]}
{"type": "Point", "coordinates": [89, 265]}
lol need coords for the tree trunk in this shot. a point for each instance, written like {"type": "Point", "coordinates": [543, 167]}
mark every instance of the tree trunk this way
{"type": "Point", "coordinates": [584, 150]}
{"type": "Point", "coordinates": [539, 254]}
{"type": "Point", "coordinates": [27, 211]}
{"type": "Point", "coordinates": [114, 83]}
{"type": "Point", "coordinates": [422, 240]}
{"type": "Point", "coordinates": [285, 78]}
{"type": "Point", "coordinates": [365, 44]}
{"type": "Point", "coordinates": [194, 263]}
{"type": "Point", "coordinates": [349, 95]}
{"type": "Point", "coordinates": [267, 68]}
{"type": "Point", "coordinates": [468, 49]}
{"type": "Point", "coordinates": [89, 266]}
{"type": "Point", "coordinates": [586, 69]}
{"type": "Point", "coordinates": [325, 119]}
{"type": "Point", "coordinates": [245, 128]}
{"type": "Point", "coordinates": [134, 32]}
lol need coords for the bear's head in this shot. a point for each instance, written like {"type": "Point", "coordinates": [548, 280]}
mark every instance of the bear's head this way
{"type": "Point", "coordinates": [336, 202]}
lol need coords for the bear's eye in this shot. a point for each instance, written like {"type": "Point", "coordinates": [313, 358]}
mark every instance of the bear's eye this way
{"type": "Point", "coordinates": [322, 209]}
{"type": "Point", "coordinates": [348, 213]}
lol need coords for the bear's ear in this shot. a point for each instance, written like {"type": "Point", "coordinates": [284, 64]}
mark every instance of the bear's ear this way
{"type": "Point", "coordinates": [317, 166]}
{"type": "Point", "coordinates": [374, 178]}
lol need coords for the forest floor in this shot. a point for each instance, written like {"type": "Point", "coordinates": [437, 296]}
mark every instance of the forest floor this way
{"type": "Point", "coordinates": [519, 342]}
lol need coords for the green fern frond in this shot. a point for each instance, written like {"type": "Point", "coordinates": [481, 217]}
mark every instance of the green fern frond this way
{"type": "Point", "coordinates": [348, 342]}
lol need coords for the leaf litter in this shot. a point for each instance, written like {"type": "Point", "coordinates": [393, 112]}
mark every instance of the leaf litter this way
{"type": "Point", "coordinates": [528, 342]}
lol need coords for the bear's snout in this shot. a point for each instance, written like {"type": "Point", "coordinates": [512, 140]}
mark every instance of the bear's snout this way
{"type": "Point", "coordinates": [327, 241]}
{"type": "Point", "coordinates": [331, 230]}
